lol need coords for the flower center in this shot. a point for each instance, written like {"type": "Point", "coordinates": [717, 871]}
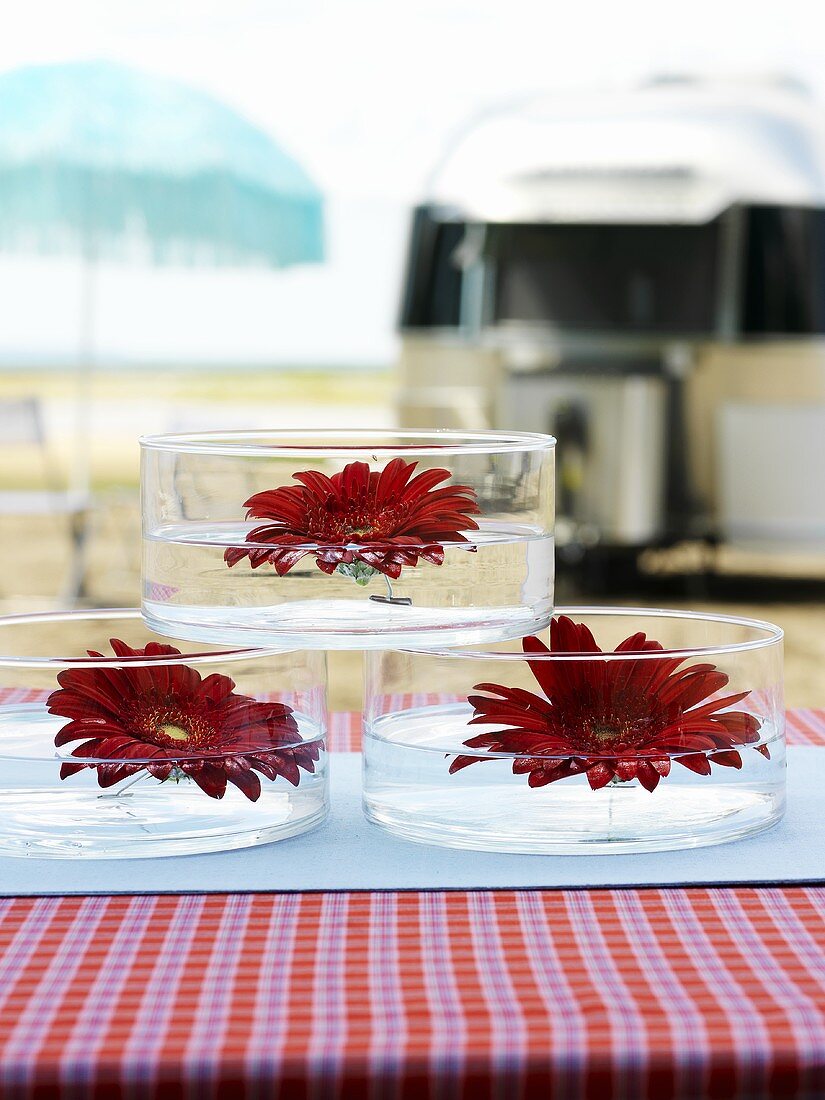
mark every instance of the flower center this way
{"type": "Point", "coordinates": [175, 733]}
{"type": "Point", "coordinates": [358, 519]}
{"type": "Point", "coordinates": [164, 724]}
{"type": "Point", "coordinates": [605, 731]}
{"type": "Point", "coordinates": [617, 732]}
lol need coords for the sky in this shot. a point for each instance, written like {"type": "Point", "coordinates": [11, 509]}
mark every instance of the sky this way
{"type": "Point", "coordinates": [365, 94]}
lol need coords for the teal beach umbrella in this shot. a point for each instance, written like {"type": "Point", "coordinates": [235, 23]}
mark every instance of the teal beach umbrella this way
{"type": "Point", "coordinates": [102, 161]}
{"type": "Point", "coordinates": [96, 157]}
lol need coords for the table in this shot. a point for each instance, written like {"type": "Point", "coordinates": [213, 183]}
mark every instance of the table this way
{"type": "Point", "coordinates": [658, 993]}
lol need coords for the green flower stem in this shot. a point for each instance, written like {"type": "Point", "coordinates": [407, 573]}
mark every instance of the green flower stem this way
{"type": "Point", "coordinates": [175, 776]}
{"type": "Point", "coordinates": [359, 572]}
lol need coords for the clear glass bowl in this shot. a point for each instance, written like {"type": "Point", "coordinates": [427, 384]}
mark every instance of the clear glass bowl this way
{"type": "Point", "coordinates": [138, 749]}
{"type": "Point", "coordinates": [347, 540]}
{"type": "Point", "coordinates": [566, 749]}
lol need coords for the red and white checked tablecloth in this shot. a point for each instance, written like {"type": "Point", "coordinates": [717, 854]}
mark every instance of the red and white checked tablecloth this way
{"type": "Point", "coordinates": [459, 995]}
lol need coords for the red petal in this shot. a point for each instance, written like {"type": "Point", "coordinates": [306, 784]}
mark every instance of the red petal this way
{"type": "Point", "coordinates": [322, 486]}
{"type": "Point", "coordinates": [539, 778]}
{"type": "Point", "coordinates": [71, 769]}
{"type": "Point", "coordinates": [465, 761]}
{"type": "Point", "coordinates": [628, 769]}
{"type": "Point", "coordinates": [599, 775]}
{"type": "Point", "coordinates": [727, 759]}
{"type": "Point", "coordinates": [392, 479]}
{"type": "Point", "coordinates": [109, 775]}
{"type": "Point", "coordinates": [285, 765]}
{"type": "Point", "coordinates": [696, 763]}
{"type": "Point", "coordinates": [648, 776]}
{"type": "Point", "coordinates": [209, 777]}
{"type": "Point", "coordinates": [243, 778]}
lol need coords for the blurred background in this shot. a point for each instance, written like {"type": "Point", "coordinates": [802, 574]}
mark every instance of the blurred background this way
{"type": "Point", "coordinates": [602, 221]}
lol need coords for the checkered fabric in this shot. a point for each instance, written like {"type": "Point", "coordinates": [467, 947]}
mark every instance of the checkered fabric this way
{"type": "Point", "coordinates": [484, 995]}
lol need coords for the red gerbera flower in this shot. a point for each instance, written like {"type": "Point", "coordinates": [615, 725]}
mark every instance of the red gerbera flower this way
{"type": "Point", "coordinates": [622, 720]}
{"type": "Point", "coordinates": [171, 722]}
{"type": "Point", "coordinates": [360, 521]}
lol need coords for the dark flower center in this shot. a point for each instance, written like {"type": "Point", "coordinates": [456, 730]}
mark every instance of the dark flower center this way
{"type": "Point", "coordinates": [605, 731]}
{"type": "Point", "coordinates": [168, 726]}
{"type": "Point", "coordinates": [176, 733]}
{"type": "Point", "coordinates": [358, 519]}
{"type": "Point", "coordinates": [612, 731]}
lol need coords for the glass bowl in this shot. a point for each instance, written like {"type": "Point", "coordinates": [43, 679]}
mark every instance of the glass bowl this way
{"type": "Point", "coordinates": [551, 745]}
{"type": "Point", "coordinates": [347, 540]}
{"type": "Point", "coordinates": [124, 746]}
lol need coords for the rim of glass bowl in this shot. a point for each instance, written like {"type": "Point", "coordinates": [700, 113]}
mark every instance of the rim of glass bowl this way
{"type": "Point", "coordinates": [132, 614]}
{"type": "Point", "coordinates": [343, 444]}
{"type": "Point", "coordinates": [771, 635]}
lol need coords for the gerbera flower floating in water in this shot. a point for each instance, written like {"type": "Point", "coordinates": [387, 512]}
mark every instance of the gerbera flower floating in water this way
{"type": "Point", "coordinates": [168, 720]}
{"type": "Point", "coordinates": [360, 521]}
{"type": "Point", "coordinates": [611, 720]}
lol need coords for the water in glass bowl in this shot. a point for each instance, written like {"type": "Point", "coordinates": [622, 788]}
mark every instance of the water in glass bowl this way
{"type": "Point", "coordinates": [42, 815]}
{"type": "Point", "coordinates": [502, 589]}
{"type": "Point", "coordinates": [408, 790]}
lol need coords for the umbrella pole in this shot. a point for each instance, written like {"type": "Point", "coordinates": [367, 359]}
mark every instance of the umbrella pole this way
{"type": "Point", "coordinates": [86, 360]}
{"type": "Point", "coordinates": [80, 476]}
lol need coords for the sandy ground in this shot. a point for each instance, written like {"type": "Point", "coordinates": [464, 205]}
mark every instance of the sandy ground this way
{"type": "Point", "coordinates": [119, 407]}
{"type": "Point", "coordinates": [35, 549]}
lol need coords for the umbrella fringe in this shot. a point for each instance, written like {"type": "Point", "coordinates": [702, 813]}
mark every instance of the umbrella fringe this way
{"type": "Point", "coordinates": [207, 218]}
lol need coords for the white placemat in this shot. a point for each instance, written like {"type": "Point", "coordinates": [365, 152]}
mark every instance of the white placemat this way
{"type": "Point", "coordinates": [349, 853]}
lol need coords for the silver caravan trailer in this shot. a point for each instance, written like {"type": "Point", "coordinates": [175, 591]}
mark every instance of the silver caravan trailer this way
{"type": "Point", "coordinates": [642, 274]}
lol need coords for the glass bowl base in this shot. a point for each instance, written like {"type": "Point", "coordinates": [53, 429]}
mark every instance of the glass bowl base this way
{"type": "Point", "coordinates": [576, 820]}
{"type": "Point", "coordinates": [149, 823]}
{"type": "Point", "coordinates": [344, 624]}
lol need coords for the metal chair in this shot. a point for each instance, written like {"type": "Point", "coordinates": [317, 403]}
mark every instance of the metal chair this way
{"type": "Point", "coordinates": [21, 425]}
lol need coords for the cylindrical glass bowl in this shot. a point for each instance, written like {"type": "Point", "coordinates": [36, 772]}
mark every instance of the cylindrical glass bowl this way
{"type": "Point", "coordinates": [348, 539]}
{"type": "Point", "coordinates": [114, 743]}
{"type": "Point", "coordinates": [550, 745]}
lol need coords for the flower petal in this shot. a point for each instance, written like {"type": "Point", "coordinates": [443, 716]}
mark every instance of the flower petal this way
{"type": "Point", "coordinates": [599, 775]}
